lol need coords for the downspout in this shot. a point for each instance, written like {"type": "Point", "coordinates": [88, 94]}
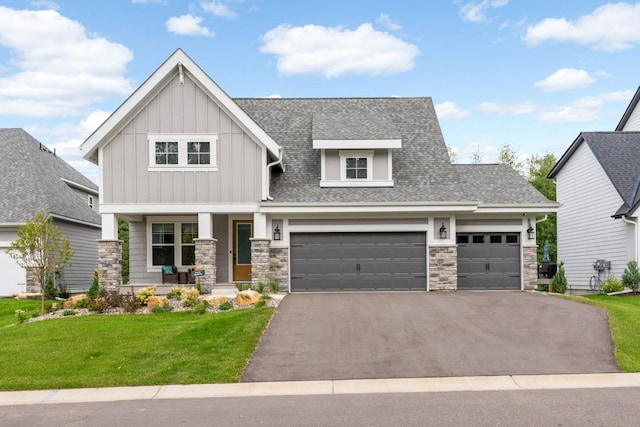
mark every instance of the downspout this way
{"type": "Point", "coordinates": [538, 221]}
{"type": "Point", "coordinates": [635, 235]}
{"type": "Point", "coordinates": [269, 166]}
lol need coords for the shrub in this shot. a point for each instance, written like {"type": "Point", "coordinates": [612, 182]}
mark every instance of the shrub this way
{"type": "Point", "coordinates": [198, 285]}
{"type": "Point", "coordinates": [50, 290]}
{"type": "Point", "coordinates": [225, 306]}
{"type": "Point", "coordinates": [100, 304]}
{"type": "Point", "coordinates": [631, 276]}
{"type": "Point", "coordinates": [94, 289]}
{"type": "Point", "coordinates": [69, 313]}
{"type": "Point", "coordinates": [261, 288]}
{"type": "Point", "coordinates": [273, 285]}
{"type": "Point", "coordinates": [142, 296]}
{"type": "Point", "coordinates": [21, 316]}
{"type": "Point", "coordinates": [542, 287]}
{"type": "Point", "coordinates": [176, 292]}
{"type": "Point", "coordinates": [260, 303]}
{"type": "Point", "coordinates": [190, 296]}
{"type": "Point", "coordinates": [200, 308]}
{"type": "Point", "coordinates": [559, 283]}
{"type": "Point", "coordinates": [243, 286]}
{"type": "Point", "coordinates": [129, 303]}
{"type": "Point", "coordinates": [612, 284]}
{"type": "Point", "coordinates": [165, 308]}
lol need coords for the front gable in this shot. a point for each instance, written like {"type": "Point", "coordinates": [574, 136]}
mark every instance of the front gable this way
{"type": "Point", "coordinates": [180, 108]}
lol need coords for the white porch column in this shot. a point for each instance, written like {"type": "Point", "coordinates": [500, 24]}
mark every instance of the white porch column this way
{"type": "Point", "coordinates": [205, 226]}
{"type": "Point", "coordinates": [109, 227]}
{"type": "Point", "coordinates": [260, 230]}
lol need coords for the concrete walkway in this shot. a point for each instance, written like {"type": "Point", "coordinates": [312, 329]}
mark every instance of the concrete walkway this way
{"type": "Point", "coordinates": [298, 388]}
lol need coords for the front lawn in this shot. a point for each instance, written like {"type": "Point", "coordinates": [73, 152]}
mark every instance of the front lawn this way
{"type": "Point", "coordinates": [128, 349]}
{"type": "Point", "coordinates": [624, 320]}
{"type": "Point", "coordinates": [8, 309]}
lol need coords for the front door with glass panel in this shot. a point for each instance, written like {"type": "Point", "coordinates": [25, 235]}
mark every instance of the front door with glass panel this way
{"type": "Point", "coordinates": [242, 233]}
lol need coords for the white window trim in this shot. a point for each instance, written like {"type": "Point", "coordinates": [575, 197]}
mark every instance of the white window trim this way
{"type": "Point", "coordinates": [182, 140]}
{"type": "Point", "coordinates": [177, 246]}
{"type": "Point", "coordinates": [345, 154]}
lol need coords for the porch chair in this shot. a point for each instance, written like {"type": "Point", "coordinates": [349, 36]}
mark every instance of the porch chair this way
{"type": "Point", "coordinates": [169, 274]}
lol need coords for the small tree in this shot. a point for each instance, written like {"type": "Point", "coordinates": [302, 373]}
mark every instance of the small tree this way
{"type": "Point", "coordinates": [42, 248]}
{"type": "Point", "coordinates": [631, 276]}
{"type": "Point", "coordinates": [559, 284]}
{"type": "Point", "coordinates": [508, 155]}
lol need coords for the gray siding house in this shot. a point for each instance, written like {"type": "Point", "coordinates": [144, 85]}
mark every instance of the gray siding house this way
{"type": "Point", "coordinates": [34, 179]}
{"type": "Point", "coordinates": [598, 186]}
{"type": "Point", "coordinates": [323, 194]}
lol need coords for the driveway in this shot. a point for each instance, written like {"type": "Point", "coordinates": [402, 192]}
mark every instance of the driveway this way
{"type": "Point", "coordinates": [411, 335]}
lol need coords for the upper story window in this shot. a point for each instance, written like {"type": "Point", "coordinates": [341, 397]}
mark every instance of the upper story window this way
{"type": "Point", "coordinates": [355, 164]}
{"type": "Point", "coordinates": [182, 151]}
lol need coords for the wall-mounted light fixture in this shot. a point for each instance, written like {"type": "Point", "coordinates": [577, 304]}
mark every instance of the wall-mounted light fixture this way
{"type": "Point", "coordinates": [443, 231]}
{"type": "Point", "coordinates": [276, 233]}
{"type": "Point", "coordinates": [531, 232]}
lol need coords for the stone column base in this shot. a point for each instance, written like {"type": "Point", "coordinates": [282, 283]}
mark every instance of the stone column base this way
{"type": "Point", "coordinates": [260, 265]}
{"type": "Point", "coordinates": [110, 263]}
{"type": "Point", "coordinates": [206, 255]}
{"type": "Point", "coordinates": [279, 265]}
{"type": "Point", "coordinates": [530, 267]}
{"type": "Point", "coordinates": [443, 268]}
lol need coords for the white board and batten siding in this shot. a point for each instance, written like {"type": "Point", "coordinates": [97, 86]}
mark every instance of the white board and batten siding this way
{"type": "Point", "coordinates": [586, 230]}
{"type": "Point", "coordinates": [181, 109]}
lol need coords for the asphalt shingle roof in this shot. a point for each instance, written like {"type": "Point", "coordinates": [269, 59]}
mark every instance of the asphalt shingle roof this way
{"type": "Point", "coordinates": [619, 155]}
{"type": "Point", "coordinates": [31, 181]}
{"type": "Point", "coordinates": [422, 171]}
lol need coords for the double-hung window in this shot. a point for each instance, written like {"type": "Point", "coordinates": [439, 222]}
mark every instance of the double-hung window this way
{"type": "Point", "coordinates": [183, 151]}
{"type": "Point", "coordinates": [172, 243]}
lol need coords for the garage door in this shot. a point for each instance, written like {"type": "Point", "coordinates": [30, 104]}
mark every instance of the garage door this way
{"type": "Point", "coordinates": [358, 262]}
{"type": "Point", "coordinates": [12, 279]}
{"type": "Point", "coordinates": [488, 261]}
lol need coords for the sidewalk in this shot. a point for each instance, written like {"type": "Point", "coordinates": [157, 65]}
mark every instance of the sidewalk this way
{"type": "Point", "coordinates": [289, 388]}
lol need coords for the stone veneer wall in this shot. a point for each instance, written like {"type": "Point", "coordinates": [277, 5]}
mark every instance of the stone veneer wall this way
{"type": "Point", "coordinates": [110, 263]}
{"type": "Point", "coordinates": [206, 253]}
{"type": "Point", "coordinates": [260, 260]}
{"type": "Point", "coordinates": [530, 267]}
{"type": "Point", "coordinates": [443, 268]}
{"type": "Point", "coordinates": [279, 266]}
{"type": "Point", "coordinates": [33, 281]}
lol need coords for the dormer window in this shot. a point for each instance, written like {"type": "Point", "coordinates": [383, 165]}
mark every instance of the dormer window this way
{"type": "Point", "coordinates": [356, 164]}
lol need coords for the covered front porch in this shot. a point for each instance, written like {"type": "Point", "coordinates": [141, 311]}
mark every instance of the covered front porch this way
{"type": "Point", "coordinates": [223, 248]}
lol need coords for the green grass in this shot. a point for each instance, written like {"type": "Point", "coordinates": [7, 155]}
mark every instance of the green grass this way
{"type": "Point", "coordinates": [624, 321]}
{"type": "Point", "coordinates": [8, 309]}
{"type": "Point", "coordinates": [129, 349]}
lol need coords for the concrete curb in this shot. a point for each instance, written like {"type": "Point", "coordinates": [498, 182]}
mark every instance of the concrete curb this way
{"type": "Point", "coordinates": [297, 388]}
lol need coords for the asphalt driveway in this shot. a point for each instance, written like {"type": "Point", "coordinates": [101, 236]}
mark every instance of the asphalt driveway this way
{"type": "Point", "coordinates": [412, 335]}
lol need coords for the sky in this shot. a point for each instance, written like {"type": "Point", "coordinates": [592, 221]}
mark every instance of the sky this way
{"type": "Point", "coordinates": [531, 74]}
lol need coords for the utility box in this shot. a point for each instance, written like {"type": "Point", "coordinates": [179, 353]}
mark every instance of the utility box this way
{"type": "Point", "coordinates": [601, 265]}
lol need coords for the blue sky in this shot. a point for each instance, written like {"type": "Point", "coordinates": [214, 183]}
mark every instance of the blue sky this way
{"type": "Point", "coordinates": [529, 73]}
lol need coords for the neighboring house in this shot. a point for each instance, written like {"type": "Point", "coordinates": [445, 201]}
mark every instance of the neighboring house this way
{"type": "Point", "coordinates": [316, 194]}
{"type": "Point", "coordinates": [34, 179]}
{"type": "Point", "coordinates": [598, 186]}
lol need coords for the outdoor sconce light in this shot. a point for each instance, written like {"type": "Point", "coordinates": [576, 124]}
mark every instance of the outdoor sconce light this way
{"type": "Point", "coordinates": [531, 232]}
{"type": "Point", "coordinates": [443, 231]}
{"type": "Point", "coordinates": [276, 233]}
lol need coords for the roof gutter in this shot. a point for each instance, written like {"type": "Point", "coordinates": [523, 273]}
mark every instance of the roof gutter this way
{"type": "Point", "coordinates": [272, 164]}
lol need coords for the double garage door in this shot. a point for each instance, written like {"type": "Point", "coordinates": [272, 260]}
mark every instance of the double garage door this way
{"type": "Point", "coordinates": [322, 262]}
{"type": "Point", "coordinates": [329, 262]}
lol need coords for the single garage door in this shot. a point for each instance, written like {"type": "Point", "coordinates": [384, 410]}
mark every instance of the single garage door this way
{"type": "Point", "coordinates": [12, 276]}
{"type": "Point", "coordinates": [489, 261]}
{"type": "Point", "coordinates": [358, 262]}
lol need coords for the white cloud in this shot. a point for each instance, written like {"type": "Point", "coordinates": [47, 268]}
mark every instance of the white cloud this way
{"type": "Point", "coordinates": [45, 4]}
{"type": "Point", "coordinates": [274, 96]}
{"type": "Point", "coordinates": [565, 78]}
{"type": "Point", "coordinates": [449, 110]}
{"type": "Point", "coordinates": [569, 114]}
{"type": "Point", "coordinates": [218, 8]}
{"type": "Point", "coordinates": [187, 25]}
{"type": "Point", "coordinates": [477, 12]}
{"type": "Point", "coordinates": [612, 27]}
{"type": "Point", "coordinates": [333, 52]}
{"type": "Point", "coordinates": [388, 23]}
{"type": "Point", "coordinates": [507, 109]}
{"type": "Point", "coordinates": [57, 68]}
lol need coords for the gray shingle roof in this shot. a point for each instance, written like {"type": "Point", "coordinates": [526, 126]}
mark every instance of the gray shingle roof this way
{"type": "Point", "coordinates": [619, 155]}
{"type": "Point", "coordinates": [31, 181]}
{"type": "Point", "coordinates": [422, 171]}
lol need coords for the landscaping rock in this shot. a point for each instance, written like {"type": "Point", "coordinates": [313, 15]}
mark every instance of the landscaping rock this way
{"type": "Point", "coordinates": [247, 297]}
{"type": "Point", "coordinates": [72, 301]}
{"type": "Point", "coordinates": [155, 301]}
{"type": "Point", "coordinates": [215, 300]}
